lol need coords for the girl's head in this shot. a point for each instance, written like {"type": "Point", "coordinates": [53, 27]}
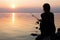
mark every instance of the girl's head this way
{"type": "Point", "coordinates": [46, 7]}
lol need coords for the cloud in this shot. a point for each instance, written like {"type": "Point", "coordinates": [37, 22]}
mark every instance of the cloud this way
{"type": "Point", "coordinates": [28, 10]}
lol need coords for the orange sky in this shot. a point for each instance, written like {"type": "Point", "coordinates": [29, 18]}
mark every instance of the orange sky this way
{"type": "Point", "coordinates": [27, 3]}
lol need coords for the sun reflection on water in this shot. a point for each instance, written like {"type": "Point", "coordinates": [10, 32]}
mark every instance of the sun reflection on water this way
{"type": "Point", "coordinates": [13, 18]}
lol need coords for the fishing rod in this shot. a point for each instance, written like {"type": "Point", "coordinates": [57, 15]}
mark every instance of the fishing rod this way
{"type": "Point", "coordinates": [39, 20]}
{"type": "Point", "coordinates": [34, 16]}
{"type": "Point", "coordinates": [35, 34]}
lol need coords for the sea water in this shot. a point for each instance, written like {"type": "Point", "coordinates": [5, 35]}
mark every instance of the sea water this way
{"type": "Point", "coordinates": [24, 24]}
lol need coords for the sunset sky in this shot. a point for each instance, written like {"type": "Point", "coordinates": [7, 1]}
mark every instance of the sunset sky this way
{"type": "Point", "coordinates": [27, 5]}
{"type": "Point", "coordinates": [16, 21]}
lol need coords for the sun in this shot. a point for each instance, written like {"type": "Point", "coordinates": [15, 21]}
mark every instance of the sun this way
{"type": "Point", "coordinates": [13, 6]}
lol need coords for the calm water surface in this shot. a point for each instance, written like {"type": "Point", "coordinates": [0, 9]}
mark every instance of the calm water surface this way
{"type": "Point", "coordinates": [19, 26]}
